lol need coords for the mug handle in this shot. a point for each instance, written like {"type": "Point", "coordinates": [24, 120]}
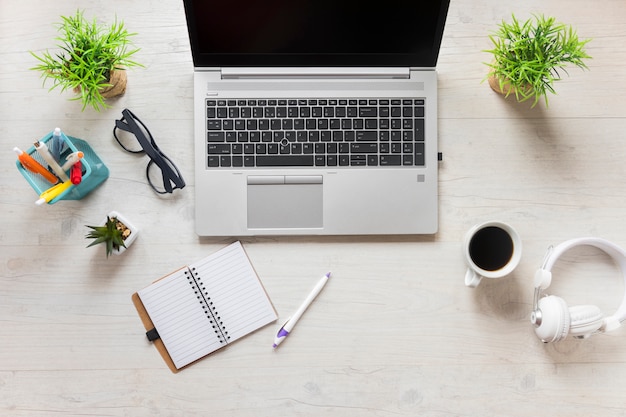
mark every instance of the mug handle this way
{"type": "Point", "coordinates": [472, 279]}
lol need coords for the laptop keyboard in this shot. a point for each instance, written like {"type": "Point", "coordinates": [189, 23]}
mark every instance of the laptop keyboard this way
{"type": "Point", "coordinates": [315, 133]}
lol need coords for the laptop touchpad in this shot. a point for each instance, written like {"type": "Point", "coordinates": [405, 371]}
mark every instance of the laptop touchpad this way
{"type": "Point", "coordinates": [285, 201]}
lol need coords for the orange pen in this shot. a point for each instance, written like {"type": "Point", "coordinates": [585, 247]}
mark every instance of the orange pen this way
{"type": "Point", "coordinates": [32, 165]}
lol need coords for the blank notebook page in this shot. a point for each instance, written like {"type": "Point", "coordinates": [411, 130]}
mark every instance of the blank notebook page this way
{"type": "Point", "coordinates": [213, 302]}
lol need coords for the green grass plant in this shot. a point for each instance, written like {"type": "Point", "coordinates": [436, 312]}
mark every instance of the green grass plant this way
{"type": "Point", "coordinates": [530, 56]}
{"type": "Point", "coordinates": [89, 53]}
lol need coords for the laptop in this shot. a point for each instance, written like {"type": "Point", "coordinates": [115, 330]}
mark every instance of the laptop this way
{"type": "Point", "coordinates": [315, 117]}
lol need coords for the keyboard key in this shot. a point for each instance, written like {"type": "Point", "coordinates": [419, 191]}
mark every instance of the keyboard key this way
{"type": "Point", "coordinates": [284, 160]}
{"type": "Point", "coordinates": [213, 161]}
{"type": "Point", "coordinates": [419, 130]}
{"type": "Point", "coordinates": [366, 135]}
{"type": "Point", "coordinates": [358, 160]}
{"type": "Point", "coordinates": [216, 137]}
{"type": "Point", "coordinates": [420, 157]}
{"type": "Point", "coordinates": [214, 148]}
{"type": "Point", "coordinates": [390, 160]}
{"type": "Point", "coordinates": [242, 136]}
{"type": "Point", "coordinates": [364, 147]}
{"type": "Point", "coordinates": [371, 124]}
{"type": "Point", "coordinates": [368, 112]}
{"type": "Point", "coordinates": [214, 125]}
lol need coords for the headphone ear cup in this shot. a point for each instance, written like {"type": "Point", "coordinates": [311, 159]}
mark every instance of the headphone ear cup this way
{"type": "Point", "coordinates": [555, 319]}
{"type": "Point", "coordinates": [585, 320]}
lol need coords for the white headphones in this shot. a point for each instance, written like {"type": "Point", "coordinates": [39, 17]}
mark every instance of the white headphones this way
{"type": "Point", "coordinates": [552, 319]}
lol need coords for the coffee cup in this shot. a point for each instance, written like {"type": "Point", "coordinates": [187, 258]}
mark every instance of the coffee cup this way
{"type": "Point", "coordinates": [492, 250]}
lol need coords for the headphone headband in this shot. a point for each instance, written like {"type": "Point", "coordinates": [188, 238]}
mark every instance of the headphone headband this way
{"type": "Point", "coordinates": [543, 276]}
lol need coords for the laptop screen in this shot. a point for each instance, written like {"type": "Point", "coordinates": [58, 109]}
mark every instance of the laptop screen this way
{"type": "Point", "coordinates": [315, 33]}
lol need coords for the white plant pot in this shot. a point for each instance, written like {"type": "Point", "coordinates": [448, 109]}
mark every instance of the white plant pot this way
{"type": "Point", "coordinates": [134, 231]}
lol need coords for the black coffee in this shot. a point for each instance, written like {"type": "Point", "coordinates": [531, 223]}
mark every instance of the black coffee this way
{"type": "Point", "coordinates": [491, 248]}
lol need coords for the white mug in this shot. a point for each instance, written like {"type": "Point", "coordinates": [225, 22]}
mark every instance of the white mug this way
{"type": "Point", "coordinates": [492, 250]}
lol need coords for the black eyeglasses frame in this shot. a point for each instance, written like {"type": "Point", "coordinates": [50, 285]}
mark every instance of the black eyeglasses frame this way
{"type": "Point", "coordinates": [130, 123]}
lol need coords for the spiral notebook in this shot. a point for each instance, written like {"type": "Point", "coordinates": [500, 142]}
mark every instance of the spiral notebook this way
{"type": "Point", "coordinates": [204, 306]}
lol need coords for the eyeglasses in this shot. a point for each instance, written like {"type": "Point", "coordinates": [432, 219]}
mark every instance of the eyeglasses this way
{"type": "Point", "coordinates": [135, 140]}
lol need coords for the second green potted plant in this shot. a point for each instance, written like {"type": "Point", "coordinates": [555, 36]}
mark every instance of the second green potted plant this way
{"type": "Point", "coordinates": [528, 57]}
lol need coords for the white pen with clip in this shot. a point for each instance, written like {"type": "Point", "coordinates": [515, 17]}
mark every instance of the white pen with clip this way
{"type": "Point", "coordinates": [42, 149]}
{"type": "Point", "coordinates": [284, 331]}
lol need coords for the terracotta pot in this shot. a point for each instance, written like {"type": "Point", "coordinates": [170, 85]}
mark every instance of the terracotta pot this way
{"type": "Point", "coordinates": [507, 89]}
{"type": "Point", "coordinates": [118, 80]}
{"type": "Point", "coordinates": [494, 83]}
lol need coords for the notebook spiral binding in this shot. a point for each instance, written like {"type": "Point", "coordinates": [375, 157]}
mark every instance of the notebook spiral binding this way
{"type": "Point", "coordinates": [209, 309]}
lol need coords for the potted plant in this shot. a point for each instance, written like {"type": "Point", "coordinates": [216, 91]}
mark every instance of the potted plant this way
{"type": "Point", "coordinates": [117, 233]}
{"type": "Point", "coordinates": [529, 57]}
{"type": "Point", "coordinates": [92, 61]}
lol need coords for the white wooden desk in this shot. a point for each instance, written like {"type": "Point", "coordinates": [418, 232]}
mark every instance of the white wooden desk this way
{"type": "Point", "coordinates": [395, 332]}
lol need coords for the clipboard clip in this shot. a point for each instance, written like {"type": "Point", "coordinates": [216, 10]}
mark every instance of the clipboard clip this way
{"type": "Point", "coordinates": [152, 334]}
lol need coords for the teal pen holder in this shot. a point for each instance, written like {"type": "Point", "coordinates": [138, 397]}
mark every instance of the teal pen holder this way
{"type": "Point", "coordinates": [93, 169]}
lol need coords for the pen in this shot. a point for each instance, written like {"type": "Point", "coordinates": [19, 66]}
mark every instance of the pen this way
{"type": "Point", "coordinates": [32, 165]}
{"type": "Point", "coordinates": [42, 148]}
{"type": "Point", "coordinates": [56, 143]}
{"type": "Point", "coordinates": [53, 192]}
{"type": "Point", "coordinates": [76, 173]}
{"type": "Point", "coordinates": [71, 159]}
{"type": "Point", "coordinates": [291, 321]}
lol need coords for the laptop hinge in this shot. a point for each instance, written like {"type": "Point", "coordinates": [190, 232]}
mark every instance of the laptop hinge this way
{"type": "Point", "coordinates": [315, 73]}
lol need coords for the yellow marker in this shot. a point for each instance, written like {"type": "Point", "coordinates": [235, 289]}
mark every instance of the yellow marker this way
{"type": "Point", "coordinates": [53, 192]}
